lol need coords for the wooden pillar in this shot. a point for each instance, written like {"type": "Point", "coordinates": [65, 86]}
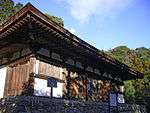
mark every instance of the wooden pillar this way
{"type": "Point", "coordinates": [51, 92]}
{"type": "Point", "coordinates": [86, 88]}
{"type": "Point", "coordinates": [97, 89]}
{"type": "Point", "coordinates": [68, 84]}
{"type": "Point", "coordinates": [121, 88]}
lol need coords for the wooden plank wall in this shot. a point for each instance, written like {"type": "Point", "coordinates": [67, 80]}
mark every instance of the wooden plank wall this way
{"type": "Point", "coordinates": [78, 87]}
{"type": "Point", "coordinates": [49, 70]}
{"type": "Point", "coordinates": [18, 74]}
{"type": "Point", "coordinates": [19, 71]}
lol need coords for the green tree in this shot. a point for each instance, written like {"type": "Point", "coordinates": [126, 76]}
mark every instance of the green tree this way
{"type": "Point", "coordinates": [129, 92]}
{"type": "Point", "coordinates": [136, 91]}
{"type": "Point", "coordinates": [56, 19]}
{"type": "Point", "coordinates": [7, 8]}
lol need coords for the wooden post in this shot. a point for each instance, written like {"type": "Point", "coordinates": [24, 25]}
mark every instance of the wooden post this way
{"type": "Point", "coordinates": [68, 84]}
{"type": "Point", "coordinates": [86, 89]}
{"type": "Point", "coordinates": [51, 92]}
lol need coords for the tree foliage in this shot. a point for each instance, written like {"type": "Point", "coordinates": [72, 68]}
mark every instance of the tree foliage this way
{"type": "Point", "coordinates": [56, 19]}
{"type": "Point", "coordinates": [7, 8]}
{"type": "Point", "coordinates": [136, 91]}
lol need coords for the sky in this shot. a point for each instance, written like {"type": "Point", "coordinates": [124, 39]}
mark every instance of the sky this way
{"type": "Point", "coordinates": [104, 24]}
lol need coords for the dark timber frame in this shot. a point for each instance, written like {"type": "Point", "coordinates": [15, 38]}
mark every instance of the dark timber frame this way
{"type": "Point", "coordinates": [31, 28]}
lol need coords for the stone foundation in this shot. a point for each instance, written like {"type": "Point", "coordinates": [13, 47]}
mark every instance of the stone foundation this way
{"type": "Point", "coordinates": [28, 104]}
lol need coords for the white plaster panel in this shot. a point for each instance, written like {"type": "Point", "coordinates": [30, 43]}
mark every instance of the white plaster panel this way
{"type": "Point", "coordinates": [41, 89]}
{"type": "Point", "coordinates": [3, 72]}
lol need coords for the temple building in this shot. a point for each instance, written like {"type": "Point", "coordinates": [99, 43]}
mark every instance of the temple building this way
{"type": "Point", "coordinates": [38, 57]}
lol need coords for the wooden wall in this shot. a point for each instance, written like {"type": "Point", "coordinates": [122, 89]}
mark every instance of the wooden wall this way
{"type": "Point", "coordinates": [75, 85]}
{"type": "Point", "coordinates": [43, 72]}
{"type": "Point", "coordinates": [79, 88]}
{"type": "Point", "coordinates": [48, 69]}
{"type": "Point", "coordinates": [17, 75]}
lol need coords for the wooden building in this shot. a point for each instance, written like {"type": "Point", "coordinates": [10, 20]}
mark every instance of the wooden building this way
{"type": "Point", "coordinates": [34, 49]}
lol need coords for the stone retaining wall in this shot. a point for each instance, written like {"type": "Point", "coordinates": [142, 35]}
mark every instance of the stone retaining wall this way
{"type": "Point", "coordinates": [28, 104]}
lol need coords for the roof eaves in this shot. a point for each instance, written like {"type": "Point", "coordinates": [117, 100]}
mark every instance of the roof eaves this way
{"type": "Point", "coordinates": [30, 8]}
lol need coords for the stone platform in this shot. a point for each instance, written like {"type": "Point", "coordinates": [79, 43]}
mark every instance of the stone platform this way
{"type": "Point", "coordinates": [29, 104]}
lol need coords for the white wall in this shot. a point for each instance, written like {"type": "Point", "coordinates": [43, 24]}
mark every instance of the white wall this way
{"type": "Point", "coordinates": [58, 92]}
{"type": "Point", "coordinates": [3, 72]}
{"type": "Point", "coordinates": [40, 86]}
{"type": "Point", "coordinates": [41, 89]}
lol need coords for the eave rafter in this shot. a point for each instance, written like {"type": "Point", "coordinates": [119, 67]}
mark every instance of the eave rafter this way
{"type": "Point", "coordinates": [29, 15]}
{"type": "Point", "coordinates": [123, 69]}
{"type": "Point", "coordinates": [70, 46]}
{"type": "Point", "coordinates": [14, 27]}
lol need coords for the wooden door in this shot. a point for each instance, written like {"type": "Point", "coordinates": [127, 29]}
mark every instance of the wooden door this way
{"type": "Point", "coordinates": [17, 75]}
